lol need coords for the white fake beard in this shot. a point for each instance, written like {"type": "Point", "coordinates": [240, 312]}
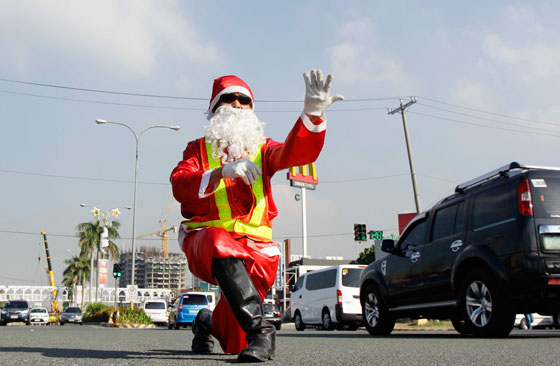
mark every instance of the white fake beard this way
{"type": "Point", "coordinates": [234, 133]}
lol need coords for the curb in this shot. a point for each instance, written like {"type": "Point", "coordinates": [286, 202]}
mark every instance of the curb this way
{"type": "Point", "coordinates": [129, 326]}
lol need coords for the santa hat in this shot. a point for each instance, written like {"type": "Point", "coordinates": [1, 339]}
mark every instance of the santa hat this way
{"type": "Point", "coordinates": [227, 85]}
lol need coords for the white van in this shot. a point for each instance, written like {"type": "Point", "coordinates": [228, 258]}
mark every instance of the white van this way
{"type": "Point", "coordinates": [157, 311]}
{"type": "Point", "coordinates": [328, 297]}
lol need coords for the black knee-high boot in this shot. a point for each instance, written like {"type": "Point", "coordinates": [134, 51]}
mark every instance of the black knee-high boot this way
{"type": "Point", "coordinates": [202, 329]}
{"type": "Point", "coordinates": [245, 302]}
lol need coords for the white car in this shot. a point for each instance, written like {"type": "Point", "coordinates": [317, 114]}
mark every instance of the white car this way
{"type": "Point", "coordinates": [539, 321]}
{"type": "Point", "coordinates": [38, 314]}
{"type": "Point", "coordinates": [157, 311]}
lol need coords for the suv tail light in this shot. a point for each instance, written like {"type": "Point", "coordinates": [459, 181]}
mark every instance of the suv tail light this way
{"type": "Point", "coordinates": [338, 297]}
{"type": "Point", "coordinates": [180, 307]}
{"type": "Point", "coordinates": [525, 201]}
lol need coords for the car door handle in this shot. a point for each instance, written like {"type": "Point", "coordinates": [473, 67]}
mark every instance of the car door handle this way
{"type": "Point", "coordinates": [456, 245]}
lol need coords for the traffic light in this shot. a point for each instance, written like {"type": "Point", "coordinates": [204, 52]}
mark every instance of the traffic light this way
{"type": "Point", "coordinates": [360, 232]}
{"type": "Point", "coordinates": [117, 271]}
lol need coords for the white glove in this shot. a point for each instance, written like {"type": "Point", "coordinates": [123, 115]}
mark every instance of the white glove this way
{"type": "Point", "coordinates": [317, 97]}
{"type": "Point", "coordinates": [242, 168]}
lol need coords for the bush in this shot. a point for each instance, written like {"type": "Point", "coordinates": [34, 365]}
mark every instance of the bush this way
{"type": "Point", "coordinates": [97, 312]}
{"type": "Point", "coordinates": [136, 316]}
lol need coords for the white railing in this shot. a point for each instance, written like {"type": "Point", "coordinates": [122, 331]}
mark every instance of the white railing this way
{"type": "Point", "coordinates": [44, 295]}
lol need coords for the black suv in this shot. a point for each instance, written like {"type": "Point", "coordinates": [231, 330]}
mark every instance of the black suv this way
{"type": "Point", "coordinates": [15, 311]}
{"type": "Point", "coordinates": [478, 257]}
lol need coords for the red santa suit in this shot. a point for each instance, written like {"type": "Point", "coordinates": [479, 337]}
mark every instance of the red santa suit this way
{"type": "Point", "coordinates": [248, 233]}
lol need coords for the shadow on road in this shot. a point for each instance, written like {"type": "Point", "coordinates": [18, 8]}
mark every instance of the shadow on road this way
{"type": "Point", "coordinates": [110, 354]}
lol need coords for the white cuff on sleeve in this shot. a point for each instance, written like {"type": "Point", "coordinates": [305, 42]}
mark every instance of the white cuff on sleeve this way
{"type": "Point", "coordinates": [313, 127]}
{"type": "Point", "coordinates": [204, 184]}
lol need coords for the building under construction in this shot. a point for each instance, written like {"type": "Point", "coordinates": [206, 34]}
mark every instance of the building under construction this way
{"type": "Point", "coordinates": [154, 269]}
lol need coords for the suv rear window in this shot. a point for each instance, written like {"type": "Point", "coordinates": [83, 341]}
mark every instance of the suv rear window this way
{"type": "Point", "coordinates": [351, 277]}
{"type": "Point", "coordinates": [495, 206]}
{"type": "Point", "coordinates": [154, 305]}
{"type": "Point", "coordinates": [194, 300]}
{"type": "Point", "coordinates": [546, 196]}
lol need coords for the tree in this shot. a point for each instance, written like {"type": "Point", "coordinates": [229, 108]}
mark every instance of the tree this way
{"type": "Point", "coordinates": [76, 272]}
{"type": "Point", "coordinates": [89, 234]}
{"type": "Point", "coordinates": [366, 256]}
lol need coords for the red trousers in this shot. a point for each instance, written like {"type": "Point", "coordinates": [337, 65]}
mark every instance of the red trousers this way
{"type": "Point", "coordinates": [200, 246]}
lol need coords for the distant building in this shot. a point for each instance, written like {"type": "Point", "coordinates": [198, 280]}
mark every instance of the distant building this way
{"type": "Point", "coordinates": [153, 270]}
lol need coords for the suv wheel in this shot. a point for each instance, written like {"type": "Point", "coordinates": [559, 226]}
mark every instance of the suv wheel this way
{"type": "Point", "coordinates": [300, 326]}
{"type": "Point", "coordinates": [376, 315]}
{"type": "Point", "coordinates": [484, 307]}
{"type": "Point", "coordinates": [327, 322]}
{"type": "Point", "coordinates": [556, 320]}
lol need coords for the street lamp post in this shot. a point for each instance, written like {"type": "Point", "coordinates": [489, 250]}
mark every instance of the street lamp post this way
{"type": "Point", "coordinates": [137, 138]}
{"type": "Point", "coordinates": [105, 220]}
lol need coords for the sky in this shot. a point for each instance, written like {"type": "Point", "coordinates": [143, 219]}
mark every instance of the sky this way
{"type": "Point", "coordinates": [484, 74]}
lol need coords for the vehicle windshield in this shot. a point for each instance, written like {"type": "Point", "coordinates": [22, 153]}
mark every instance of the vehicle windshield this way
{"type": "Point", "coordinates": [39, 310]}
{"type": "Point", "coordinates": [154, 305]}
{"type": "Point", "coordinates": [73, 310]}
{"type": "Point", "coordinates": [351, 277]}
{"type": "Point", "coordinates": [16, 305]}
{"type": "Point", "coordinates": [194, 300]}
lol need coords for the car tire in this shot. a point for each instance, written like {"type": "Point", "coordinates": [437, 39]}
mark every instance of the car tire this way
{"type": "Point", "coordinates": [327, 321]}
{"type": "Point", "coordinates": [375, 313]}
{"type": "Point", "coordinates": [461, 326]}
{"type": "Point", "coordinates": [61, 323]}
{"type": "Point", "coordinates": [176, 326]}
{"type": "Point", "coordinates": [484, 307]}
{"type": "Point", "coordinates": [278, 326]}
{"type": "Point", "coordinates": [298, 321]}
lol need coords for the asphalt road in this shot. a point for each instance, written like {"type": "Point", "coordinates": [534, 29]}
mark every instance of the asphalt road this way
{"type": "Point", "coordinates": [97, 345]}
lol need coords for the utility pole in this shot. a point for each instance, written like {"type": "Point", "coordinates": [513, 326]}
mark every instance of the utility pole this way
{"type": "Point", "coordinates": [402, 109]}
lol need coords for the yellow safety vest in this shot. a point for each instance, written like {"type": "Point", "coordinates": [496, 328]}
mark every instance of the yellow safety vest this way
{"type": "Point", "coordinates": [253, 226]}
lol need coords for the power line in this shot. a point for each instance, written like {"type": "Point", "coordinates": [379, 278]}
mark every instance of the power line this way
{"type": "Point", "coordinates": [486, 126]}
{"type": "Point", "coordinates": [169, 107]}
{"type": "Point", "coordinates": [487, 112]}
{"type": "Point", "coordinates": [104, 91]}
{"type": "Point", "coordinates": [493, 120]}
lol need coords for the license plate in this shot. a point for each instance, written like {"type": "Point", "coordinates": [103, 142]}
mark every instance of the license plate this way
{"type": "Point", "coordinates": [551, 242]}
{"type": "Point", "coordinates": [14, 317]}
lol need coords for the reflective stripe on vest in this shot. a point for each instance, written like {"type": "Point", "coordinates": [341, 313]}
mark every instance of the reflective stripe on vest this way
{"type": "Point", "coordinates": [253, 227]}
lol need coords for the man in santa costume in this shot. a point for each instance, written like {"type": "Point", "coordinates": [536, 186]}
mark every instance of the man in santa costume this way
{"type": "Point", "coordinates": [223, 185]}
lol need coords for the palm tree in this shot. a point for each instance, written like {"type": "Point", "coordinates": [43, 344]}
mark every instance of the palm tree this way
{"type": "Point", "coordinates": [89, 234]}
{"type": "Point", "coordinates": [76, 273]}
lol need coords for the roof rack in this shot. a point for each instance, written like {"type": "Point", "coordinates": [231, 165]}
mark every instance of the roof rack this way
{"type": "Point", "coordinates": [500, 172]}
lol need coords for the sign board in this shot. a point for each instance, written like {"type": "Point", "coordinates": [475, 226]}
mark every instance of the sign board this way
{"type": "Point", "coordinates": [103, 271]}
{"type": "Point", "coordinates": [404, 219]}
{"type": "Point", "coordinates": [131, 292]}
{"type": "Point", "coordinates": [298, 184]}
{"type": "Point", "coordinates": [303, 176]}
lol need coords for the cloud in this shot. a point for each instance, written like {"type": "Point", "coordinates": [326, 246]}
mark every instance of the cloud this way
{"type": "Point", "coordinates": [125, 35]}
{"type": "Point", "coordinates": [358, 58]}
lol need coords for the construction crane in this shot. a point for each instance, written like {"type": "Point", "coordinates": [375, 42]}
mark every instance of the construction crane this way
{"type": "Point", "coordinates": [163, 230]}
{"type": "Point", "coordinates": [54, 302]}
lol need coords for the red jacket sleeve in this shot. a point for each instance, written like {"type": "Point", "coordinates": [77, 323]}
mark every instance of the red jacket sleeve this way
{"type": "Point", "coordinates": [185, 182]}
{"type": "Point", "coordinates": [302, 146]}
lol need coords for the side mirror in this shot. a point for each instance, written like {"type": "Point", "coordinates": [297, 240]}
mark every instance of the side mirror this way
{"type": "Point", "coordinates": [388, 246]}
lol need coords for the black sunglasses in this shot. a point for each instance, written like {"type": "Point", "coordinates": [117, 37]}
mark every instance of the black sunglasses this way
{"type": "Point", "coordinates": [230, 98]}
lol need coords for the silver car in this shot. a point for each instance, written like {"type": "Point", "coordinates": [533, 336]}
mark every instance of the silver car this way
{"type": "Point", "coordinates": [71, 314]}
